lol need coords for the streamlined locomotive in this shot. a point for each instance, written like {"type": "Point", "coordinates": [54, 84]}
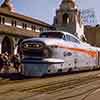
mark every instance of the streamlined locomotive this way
{"type": "Point", "coordinates": [57, 52]}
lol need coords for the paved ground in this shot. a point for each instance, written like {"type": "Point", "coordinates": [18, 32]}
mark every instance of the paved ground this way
{"type": "Point", "coordinates": [80, 86]}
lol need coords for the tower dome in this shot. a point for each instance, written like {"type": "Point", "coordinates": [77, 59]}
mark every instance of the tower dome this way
{"type": "Point", "coordinates": [69, 4]}
{"type": "Point", "coordinates": [69, 1]}
{"type": "Point", "coordinates": [7, 4]}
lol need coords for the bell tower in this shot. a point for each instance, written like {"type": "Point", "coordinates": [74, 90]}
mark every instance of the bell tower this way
{"type": "Point", "coordinates": [68, 18]}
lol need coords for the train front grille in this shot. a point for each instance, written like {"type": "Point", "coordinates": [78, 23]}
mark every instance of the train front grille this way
{"type": "Point", "coordinates": [36, 49]}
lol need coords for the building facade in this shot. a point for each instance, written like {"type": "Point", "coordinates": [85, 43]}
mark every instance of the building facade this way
{"type": "Point", "coordinates": [68, 18]}
{"type": "Point", "coordinates": [14, 27]}
{"type": "Point", "coordinates": [92, 34]}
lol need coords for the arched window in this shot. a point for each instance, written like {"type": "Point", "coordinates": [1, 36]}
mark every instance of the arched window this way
{"type": "Point", "coordinates": [33, 27]}
{"type": "Point", "coordinates": [3, 20]}
{"type": "Point", "coordinates": [0, 20]}
{"type": "Point", "coordinates": [13, 23]}
{"type": "Point", "coordinates": [65, 18]}
{"type": "Point", "coordinates": [24, 25]}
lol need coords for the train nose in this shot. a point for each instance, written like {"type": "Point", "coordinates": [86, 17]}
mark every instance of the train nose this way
{"type": "Point", "coordinates": [36, 49]}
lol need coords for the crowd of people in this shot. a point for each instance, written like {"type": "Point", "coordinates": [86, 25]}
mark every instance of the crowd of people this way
{"type": "Point", "coordinates": [7, 61]}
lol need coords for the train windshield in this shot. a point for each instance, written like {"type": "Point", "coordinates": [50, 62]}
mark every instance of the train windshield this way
{"type": "Point", "coordinates": [51, 35]}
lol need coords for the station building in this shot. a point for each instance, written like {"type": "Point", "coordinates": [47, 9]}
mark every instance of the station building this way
{"type": "Point", "coordinates": [92, 34]}
{"type": "Point", "coordinates": [14, 27]}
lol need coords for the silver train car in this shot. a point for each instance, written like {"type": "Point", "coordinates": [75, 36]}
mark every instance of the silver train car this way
{"type": "Point", "coordinates": [57, 52]}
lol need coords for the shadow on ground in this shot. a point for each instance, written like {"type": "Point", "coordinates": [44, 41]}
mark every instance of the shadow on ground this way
{"type": "Point", "coordinates": [18, 76]}
{"type": "Point", "coordinates": [13, 76]}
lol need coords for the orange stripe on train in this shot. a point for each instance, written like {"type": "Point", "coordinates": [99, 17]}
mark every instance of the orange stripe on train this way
{"type": "Point", "coordinates": [89, 52]}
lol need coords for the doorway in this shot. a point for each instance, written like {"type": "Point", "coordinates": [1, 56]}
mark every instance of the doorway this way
{"type": "Point", "coordinates": [7, 45]}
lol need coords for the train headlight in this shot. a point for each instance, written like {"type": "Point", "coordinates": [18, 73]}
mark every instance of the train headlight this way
{"type": "Point", "coordinates": [25, 45]}
{"type": "Point", "coordinates": [32, 46]}
{"type": "Point", "coordinates": [46, 52]}
{"type": "Point", "coordinates": [38, 45]}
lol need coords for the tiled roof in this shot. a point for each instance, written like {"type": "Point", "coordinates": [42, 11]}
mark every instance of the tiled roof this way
{"type": "Point", "coordinates": [23, 17]}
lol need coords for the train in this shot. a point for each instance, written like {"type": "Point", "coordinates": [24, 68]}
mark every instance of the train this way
{"type": "Point", "coordinates": [57, 52]}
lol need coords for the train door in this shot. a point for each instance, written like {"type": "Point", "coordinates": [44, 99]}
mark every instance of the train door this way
{"type": "Point", "coordinates": [98, 58]}
{"type": "Point", "coordinates": [77, 57]}
{"type": "Point", "coordinates": [82, 59]}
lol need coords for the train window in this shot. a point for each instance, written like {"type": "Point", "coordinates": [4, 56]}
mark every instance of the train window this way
{"type": "Point", "coordinates": [77, 41]}
{"type": "Point", "coordinates": [52, 34]}
{"type": "Point", "coordinates": [67, 38]}
{"type": "Point", "coordinates": [64, 37]}
{"type": "Point", "coordinates": [72, 39]}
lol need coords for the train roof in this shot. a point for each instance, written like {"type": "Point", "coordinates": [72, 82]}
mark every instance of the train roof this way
{"type": "Point", "coordinates": [65, 33]}
{"type": "Point", "coordinates": [59, 31]}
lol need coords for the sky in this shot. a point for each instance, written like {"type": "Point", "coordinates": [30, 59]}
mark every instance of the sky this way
{"type": "Point", "coordinates": [44, 10]}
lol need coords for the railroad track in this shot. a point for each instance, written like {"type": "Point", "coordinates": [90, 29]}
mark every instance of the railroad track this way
{"type": "Point", "coordinates": [75, 85]}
